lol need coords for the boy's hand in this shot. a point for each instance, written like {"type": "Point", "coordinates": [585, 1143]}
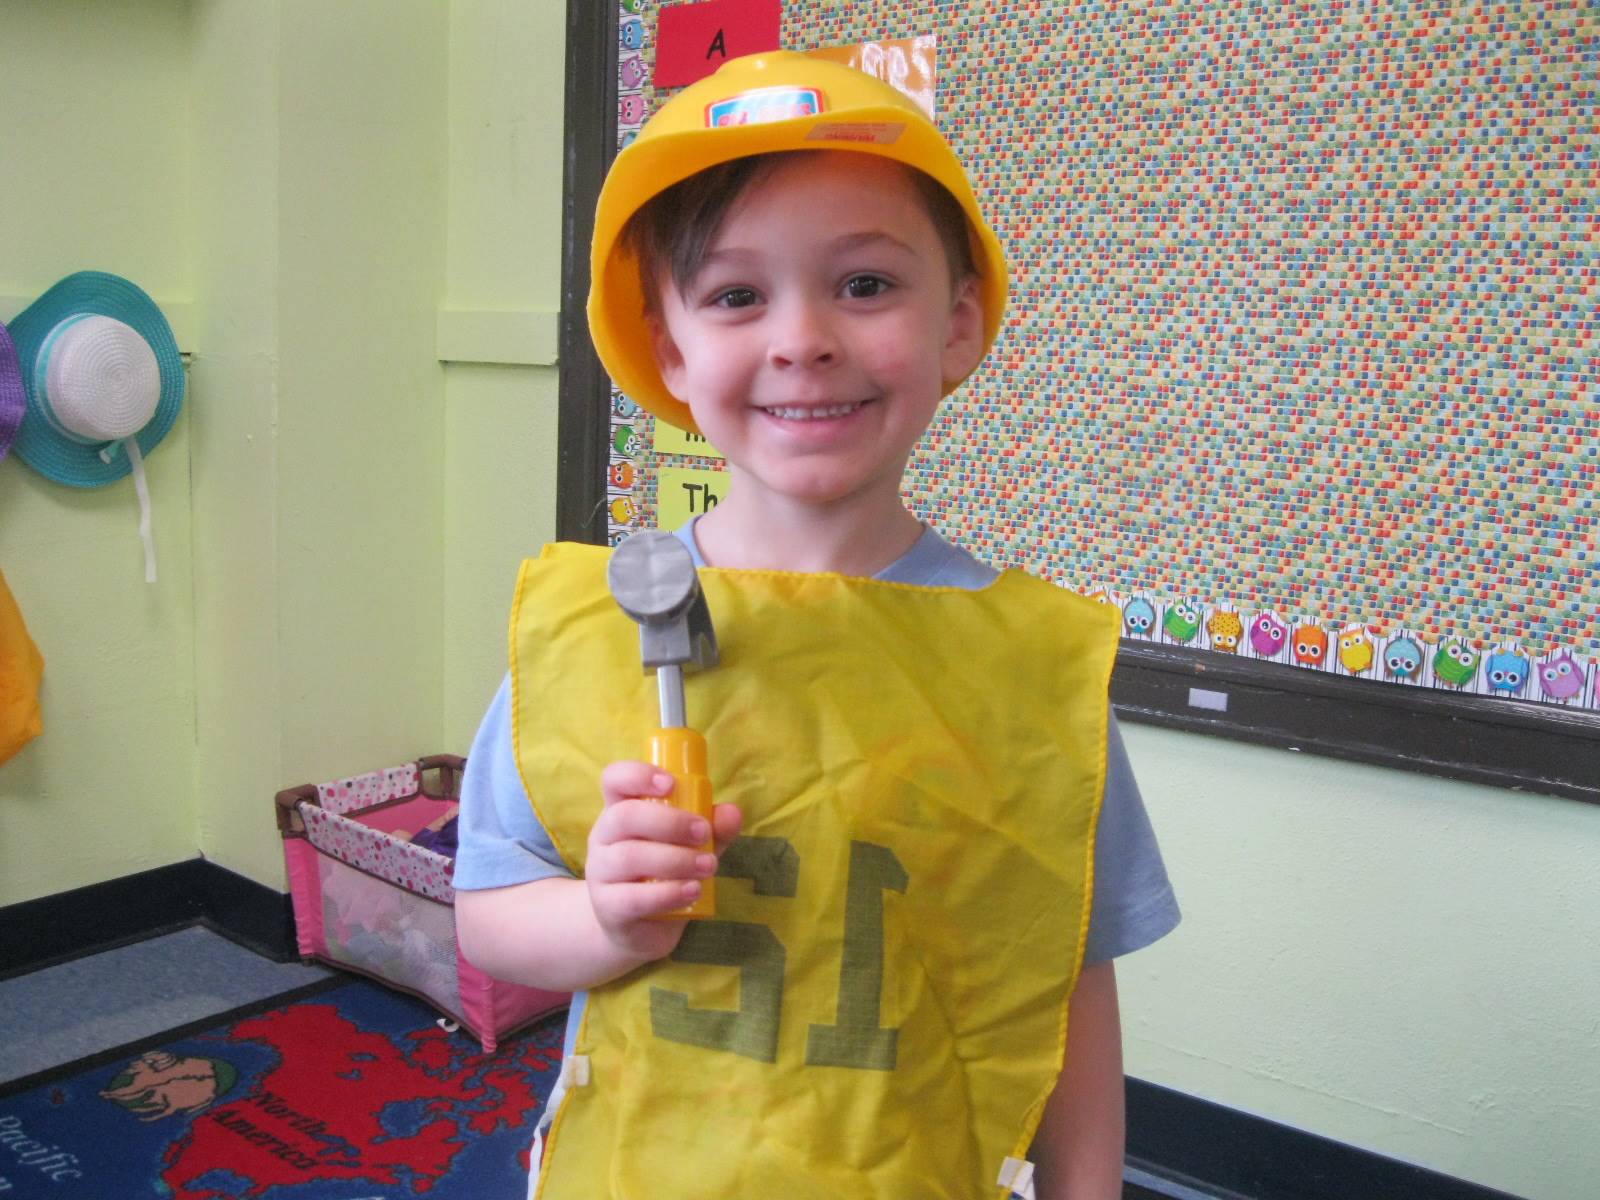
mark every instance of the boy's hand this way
{"type": "Point", "coordinates": [643, 858]}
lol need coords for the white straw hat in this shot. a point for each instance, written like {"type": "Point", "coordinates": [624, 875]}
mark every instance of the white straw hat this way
{"type": "Point", "coordinates": [104, 385]}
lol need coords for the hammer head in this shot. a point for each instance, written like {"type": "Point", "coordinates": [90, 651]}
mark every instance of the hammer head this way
{"type": "Point", "coordinates": [652, 578]}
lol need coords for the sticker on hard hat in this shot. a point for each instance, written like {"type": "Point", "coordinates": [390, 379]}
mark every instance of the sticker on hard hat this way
{"type": "Point", "coordinates": [763, 106]}
{"type": "Point", "coordinates": [878, 133]}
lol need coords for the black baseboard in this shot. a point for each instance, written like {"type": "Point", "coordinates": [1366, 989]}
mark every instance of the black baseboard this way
{"type": "Point", "coordinates": [68, 925]}
{"type": "Point", "coordinates": [1208, 1150]}
{"type": "Point", "coordinates": [1179, 1146]}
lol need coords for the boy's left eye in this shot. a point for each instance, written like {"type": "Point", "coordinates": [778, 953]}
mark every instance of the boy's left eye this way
{"type": "Point", "coordinates": [864, 287]}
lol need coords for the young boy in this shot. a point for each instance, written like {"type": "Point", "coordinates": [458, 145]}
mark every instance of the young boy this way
{"type": "Point", "coordinates": [932, 847]}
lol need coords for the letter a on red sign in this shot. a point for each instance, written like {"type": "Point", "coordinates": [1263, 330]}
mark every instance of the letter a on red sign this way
{"type": "Point", "coordinates": [693, 40]}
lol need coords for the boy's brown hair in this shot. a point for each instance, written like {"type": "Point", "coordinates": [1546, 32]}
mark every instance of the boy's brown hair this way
{"type": "Point", "coordinates": [671, 232]}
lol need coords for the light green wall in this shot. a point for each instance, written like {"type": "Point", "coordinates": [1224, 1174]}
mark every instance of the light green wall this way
{"type": "Point", "coordinates": [319, 221]}
{"type": "Point", "coordinates": [94, 172]}
{"type": "Point", "coordinates": [287, 178]}
{"type": "Point", "coordinates": [503, 273]}
{"type": "Point", "coordinates": [235, 383]}
{"type": "Point", "coordinates": [1392, 960]}
{"type": "Point", "coordinates": [502, 444]}
{"type": "Point", "coordinates": [361, 184]}
{"type": "Point", "coordinates": [352, 212]}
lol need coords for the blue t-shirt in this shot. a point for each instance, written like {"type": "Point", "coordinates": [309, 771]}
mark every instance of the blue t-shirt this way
{"type": "Point", "coordinates": [503, 843]}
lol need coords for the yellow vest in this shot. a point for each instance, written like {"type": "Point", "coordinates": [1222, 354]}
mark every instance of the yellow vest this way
{"type": "Point", "coordinates": [879, 1007]}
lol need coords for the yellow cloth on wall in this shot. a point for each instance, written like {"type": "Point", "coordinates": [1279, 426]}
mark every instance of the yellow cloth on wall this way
{"type": "Point", "coordinates": [879, 1006]}
{"type": "Point", "coordinates": [21, 668]}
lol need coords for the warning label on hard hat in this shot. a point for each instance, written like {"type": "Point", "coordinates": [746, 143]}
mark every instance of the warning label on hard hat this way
{"type": "Point", "coordinates": [880, 133]}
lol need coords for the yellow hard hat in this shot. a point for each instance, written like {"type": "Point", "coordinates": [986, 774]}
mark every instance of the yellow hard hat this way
{"type": "Point", "coordinates": [758, 104]}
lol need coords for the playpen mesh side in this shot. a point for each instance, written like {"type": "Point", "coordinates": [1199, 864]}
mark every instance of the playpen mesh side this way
{"type": "Point", "coordinates": [375, 927]}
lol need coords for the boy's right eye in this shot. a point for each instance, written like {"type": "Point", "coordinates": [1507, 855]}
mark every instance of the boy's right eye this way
{"type": "Point", "coordinates": [735, 297]}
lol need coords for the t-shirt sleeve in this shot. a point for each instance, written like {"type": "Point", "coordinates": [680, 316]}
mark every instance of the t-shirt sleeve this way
{"type": "Point", "coordinates": [501, 840]}
{"type": "Point", "coordinates": [1133, 903]}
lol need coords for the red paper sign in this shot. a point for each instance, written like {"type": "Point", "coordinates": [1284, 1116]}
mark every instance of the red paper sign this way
{"type": "Point", "coordinates": [693, 40]}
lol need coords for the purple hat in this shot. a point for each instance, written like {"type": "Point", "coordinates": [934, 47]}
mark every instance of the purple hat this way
{"type": "Point", "coordinates": [13, 400]}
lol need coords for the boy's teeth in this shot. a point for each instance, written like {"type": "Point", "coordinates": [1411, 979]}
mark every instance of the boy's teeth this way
{"type": "Point", "coordinates": [806, 414]}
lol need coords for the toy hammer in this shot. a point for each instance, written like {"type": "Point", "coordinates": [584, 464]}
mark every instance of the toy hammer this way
{"type": "Point", "coordinates": [652, 579]}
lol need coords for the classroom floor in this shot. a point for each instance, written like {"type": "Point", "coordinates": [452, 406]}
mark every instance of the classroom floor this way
{"type": "Point", "coordinates": [74, 1009]}
{"type": "Point", "coordinates": [58, 1014]}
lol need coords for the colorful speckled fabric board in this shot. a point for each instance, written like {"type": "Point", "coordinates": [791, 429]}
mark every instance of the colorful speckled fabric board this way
{"type": "Point", "coordinates": [1301, 358]}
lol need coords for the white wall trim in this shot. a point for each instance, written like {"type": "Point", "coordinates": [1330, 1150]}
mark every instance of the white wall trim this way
{"type": "Point", "coordinates": [522, 337]}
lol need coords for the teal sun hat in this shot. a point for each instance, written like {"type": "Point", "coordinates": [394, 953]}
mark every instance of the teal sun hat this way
{"type": "Point", "coordinates": [104, 385]}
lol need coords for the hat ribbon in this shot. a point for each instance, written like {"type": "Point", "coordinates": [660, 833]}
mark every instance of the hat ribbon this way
{"type": "Point", "coordinates": [122, 405]}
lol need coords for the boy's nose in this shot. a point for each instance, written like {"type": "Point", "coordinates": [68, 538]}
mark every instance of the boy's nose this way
{"type": "Point", "coordinates": [802, 336]}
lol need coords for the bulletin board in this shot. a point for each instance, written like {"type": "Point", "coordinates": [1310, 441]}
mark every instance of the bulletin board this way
{"type": "Point", "coordinates": [1300, 366]}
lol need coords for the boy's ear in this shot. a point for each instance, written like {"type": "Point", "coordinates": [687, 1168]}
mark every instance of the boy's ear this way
{"type": "Point", "coordinates": [669, 359]}
{"type": "Point", "coordinates": [963, 348]}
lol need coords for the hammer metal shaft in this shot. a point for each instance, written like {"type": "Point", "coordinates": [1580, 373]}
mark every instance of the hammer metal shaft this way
{"type": "Point", "coordinates": [669, 686]}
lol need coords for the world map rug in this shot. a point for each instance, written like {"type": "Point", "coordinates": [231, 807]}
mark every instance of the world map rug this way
{"type": "Point", "coordinates": [343, 1090]}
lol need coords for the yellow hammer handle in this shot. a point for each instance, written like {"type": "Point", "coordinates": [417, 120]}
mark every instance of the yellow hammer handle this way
{"type": "Point", "coordinates": [682, 754]}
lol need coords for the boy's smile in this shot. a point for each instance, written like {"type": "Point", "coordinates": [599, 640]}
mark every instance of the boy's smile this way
{"type": "Point", "coordinates": [815, 340]}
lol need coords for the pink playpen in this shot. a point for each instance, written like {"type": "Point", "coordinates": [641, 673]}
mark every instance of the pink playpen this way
{"type": "Point", "coordinates": [370, 860]}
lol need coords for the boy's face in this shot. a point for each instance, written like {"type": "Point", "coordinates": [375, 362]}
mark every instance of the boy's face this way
{"type": "Point", "coordinates": [814, 343]}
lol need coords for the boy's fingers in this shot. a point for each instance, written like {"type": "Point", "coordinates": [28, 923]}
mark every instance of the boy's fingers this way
{"type": "Point", "coordinates": [627, 862]}
{"type": "Point", "coordinates": [649, 821]}
{"type": "Point", "coordinates": [622, 780]}
{"type": "Point", "coordinates": [726, 821]}
{"type": "Point", "coordinates": [626, 902]}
